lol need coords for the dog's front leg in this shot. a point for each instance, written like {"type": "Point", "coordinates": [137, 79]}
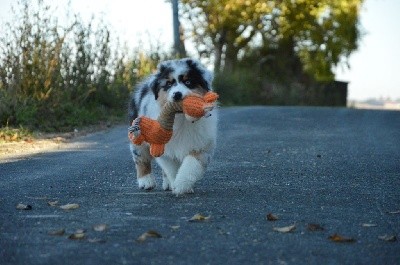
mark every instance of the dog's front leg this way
{"type": "Point", "coordinates": [141, 157]}
{"type": "Point", "coordinates": [190, 171]}
{"type": "Point", "coordinates": [170, 168]}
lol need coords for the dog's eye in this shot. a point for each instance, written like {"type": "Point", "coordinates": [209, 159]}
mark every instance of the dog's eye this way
{"type": "Point", "coordinates": [168, 84]}
{"type": "Point", "coordinates": [188, 82]}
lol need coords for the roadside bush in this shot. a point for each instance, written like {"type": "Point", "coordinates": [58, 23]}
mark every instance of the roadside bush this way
{"type": "Point", "coordinates": [238, 88]}
{"type": "Point", "coordinates": [55, 77]}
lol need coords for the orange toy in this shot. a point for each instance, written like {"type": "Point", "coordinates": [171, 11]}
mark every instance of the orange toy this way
{"type": "Point", "coordinates": [158, 132]}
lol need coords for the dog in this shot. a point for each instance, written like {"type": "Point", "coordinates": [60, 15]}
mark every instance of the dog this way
{"type": "Point", "coordinates": [192, 145]}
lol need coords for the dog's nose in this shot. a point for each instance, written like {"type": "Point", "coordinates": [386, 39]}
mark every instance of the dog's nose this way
{"type": "Point", "coordinates": [177, 96]}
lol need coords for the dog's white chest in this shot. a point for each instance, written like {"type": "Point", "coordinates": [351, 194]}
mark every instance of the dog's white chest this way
{"type": "Point", "coordinates": [188, 136]}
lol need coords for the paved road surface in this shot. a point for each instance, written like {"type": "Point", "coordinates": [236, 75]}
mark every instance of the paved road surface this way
{"type": "Point", "coordinates": [338, 168]}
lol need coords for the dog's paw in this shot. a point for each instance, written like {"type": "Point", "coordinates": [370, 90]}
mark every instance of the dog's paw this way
{"type": "Point", "coordinates": [147, 182]}
{"type": "Point", "coordinates": [181, 187]}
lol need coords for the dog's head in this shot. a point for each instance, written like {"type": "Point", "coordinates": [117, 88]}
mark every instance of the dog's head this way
{"type": "Point", "coordinates": [177, 78]}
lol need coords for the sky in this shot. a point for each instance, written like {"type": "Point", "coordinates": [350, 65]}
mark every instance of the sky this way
{"type": "Point", "coordinates": [374, 67]}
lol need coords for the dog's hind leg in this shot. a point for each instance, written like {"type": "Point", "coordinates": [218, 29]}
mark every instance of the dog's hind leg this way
{"type": "Point", "coordinates": [142, 158]}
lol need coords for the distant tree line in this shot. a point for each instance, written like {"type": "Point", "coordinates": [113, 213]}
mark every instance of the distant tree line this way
{"type": "Point", "coordinates": [58, 77]}
{"type": "Point", "coordinates": [273, 52]}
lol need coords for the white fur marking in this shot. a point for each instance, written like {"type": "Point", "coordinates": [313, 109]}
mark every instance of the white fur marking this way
{"type": "Point", "coordinates": [147, 182]}
{"type": "Point", "coordinates": [166, 185]}
{"type": "Point", "coordinates": [190, 172]}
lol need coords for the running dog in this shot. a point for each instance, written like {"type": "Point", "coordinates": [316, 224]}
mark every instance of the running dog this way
{"type": "Point", "coordinates": [192, 145]}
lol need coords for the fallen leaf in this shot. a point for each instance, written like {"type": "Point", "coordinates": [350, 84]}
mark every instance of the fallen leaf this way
{"type": "Point", "coordinates": [285, 229]}
{"type": "Point", "coordinates": [199, 218]}
{"type": "Point", "coordinates": [175, 227]}
{"type": "Point", "coordinates": [272, 217]}
{"type": "Point", "coordinates": [70, 206]}
{"type": "Point", "coordinates": [59, 232]}
{"type": "Point", "coordinates": [388, 238]}
{"type": "Point", "coordinates": [341, 239]}
{"type": "Point", "coordinates": [369, 225]}
{"type": "Point", "coordinates": [54, 203]}
{"type": "Point", "coordinates": [150, 233]}
{"type": "Point", "coordinates": [96, 240]}
{"type": "Point", "coordinates": [21, 206]}
{"type": "Point", "coordinates": [77, 236]}
{"type": "Point", "coordinates": [315, 227]}
{"type": "Point", "coordinates": [100, 227]}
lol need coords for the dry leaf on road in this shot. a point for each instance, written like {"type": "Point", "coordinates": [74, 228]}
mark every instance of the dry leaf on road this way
{"type": "Point", "coordinates": [96, 240]}
{"type": "Point", "coordinates": [368, 225]}
{"type": "Point", "coordinates": [150, 233]}
{"type": "Point", "coordinates": [52, 203]}
{"type": "Point", "coordinates": [341, 239]}
{"type": "Point", "coordinates": [77, 236]}
{"type": "Point", "coordinates": [285, 229]}
{"type": "Point", "coordinates": [100, 227]}
{"type": "Point", "coordinates": [70, 206]}
{"type": "Point", "coordinates": [272, 217]}
{"type": "Point", "coordinates": [59, 232]}
{"type": "Point", "coordinates": [315, 227]}
{"type": "Point", "coordinates": [199, 218]}
{"type": "Point", "coordinates": [388, 238]}
{"type": "Point", "coordinates": [21, 206]}
{"type": "Point", "coordinates": [175, 227]}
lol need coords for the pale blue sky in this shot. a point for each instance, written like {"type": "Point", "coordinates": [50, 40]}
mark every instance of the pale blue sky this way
{"type": "Point", "coordinates": [374, 67]}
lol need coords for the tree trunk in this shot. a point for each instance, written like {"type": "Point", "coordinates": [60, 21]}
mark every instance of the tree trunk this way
{"type": "Point", "coordinates": [230, 61]}
{"type": "Point", "coordinates": [219, 43]}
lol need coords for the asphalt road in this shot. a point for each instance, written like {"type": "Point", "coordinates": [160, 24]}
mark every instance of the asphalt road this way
{"type": "Point", "coordinates": [338, 168]}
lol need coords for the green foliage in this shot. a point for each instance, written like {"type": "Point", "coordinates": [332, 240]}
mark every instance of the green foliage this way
{"type": "Point", "coordinates": [56, 77]}
{"type": "Point", "coordinates": [319, 33]}
{"type": "Point", "coordinates": [237, 88]}
{"type": "Point", "coordinates": [8, 134]}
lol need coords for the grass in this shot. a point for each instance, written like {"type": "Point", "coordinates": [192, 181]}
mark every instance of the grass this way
{"type": "Point", "coordinates": [8, 134]}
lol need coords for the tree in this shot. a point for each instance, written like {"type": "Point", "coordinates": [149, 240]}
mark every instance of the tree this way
{"type": "Point", "coordinates": [320, 33]}
{"type": "Point", "coordinates": [179, 46]}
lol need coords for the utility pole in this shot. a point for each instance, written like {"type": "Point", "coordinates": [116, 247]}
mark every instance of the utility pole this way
{"type": "Point", "coordinates": [179, 47]}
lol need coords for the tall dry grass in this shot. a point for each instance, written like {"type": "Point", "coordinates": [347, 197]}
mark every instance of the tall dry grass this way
{"type": "Point", "coordinates": [56, 77]}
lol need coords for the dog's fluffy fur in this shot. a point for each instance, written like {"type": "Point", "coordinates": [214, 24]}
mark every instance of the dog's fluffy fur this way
{"type": "Point", "coordinates": [192, 145]}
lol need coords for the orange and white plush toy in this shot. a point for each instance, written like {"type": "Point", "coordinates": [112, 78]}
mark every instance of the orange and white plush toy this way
{"type": "Point", "coordinates": [158, 132]}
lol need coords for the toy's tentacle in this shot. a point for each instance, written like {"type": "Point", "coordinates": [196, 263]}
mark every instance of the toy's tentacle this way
{"type": "Point", "coordinates": [138, 140]}
{"type": "Point", "coordinates": [135, 128]}
{"type": "Point", "coordinates": [210, 97]}
{"type": "Point", "coordinates": [157, 150]}
{"type": "Point", "coordinates": [167, 115]}
{"type": "Point", "coordinates": [134, 132]}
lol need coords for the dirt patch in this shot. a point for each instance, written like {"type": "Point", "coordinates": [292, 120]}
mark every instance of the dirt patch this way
{"type": "Point", "coordinates": [45, 142]}
{"type": "Point", "coordinates": [35, 146]}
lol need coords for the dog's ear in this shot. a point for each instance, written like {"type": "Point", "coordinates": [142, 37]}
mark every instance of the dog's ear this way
{"type": "Point", "coordinates": [155, 83]}
{"type": "Point", "coordinates": [163, 70]}
{"type": "Point", "coordinates": [204, 75]}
